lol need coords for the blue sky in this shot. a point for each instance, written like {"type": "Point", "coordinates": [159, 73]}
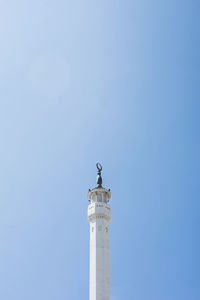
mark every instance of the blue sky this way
{"type": "Point", "coordinates": [109, 81]}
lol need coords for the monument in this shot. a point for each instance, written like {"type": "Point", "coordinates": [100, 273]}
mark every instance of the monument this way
{"type": "Point", "coordinates": [99, 215]}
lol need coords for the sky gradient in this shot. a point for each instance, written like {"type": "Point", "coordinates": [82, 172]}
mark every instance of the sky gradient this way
{"type": "Point", "coordinates": [109, 81]}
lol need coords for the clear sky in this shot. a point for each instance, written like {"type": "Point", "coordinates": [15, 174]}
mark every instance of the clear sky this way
{"type": "Point", "coordinates": [109, 81]}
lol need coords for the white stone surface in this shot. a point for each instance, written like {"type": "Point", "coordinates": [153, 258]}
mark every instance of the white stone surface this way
{"type": "Point", "coordinates": [99, 219]}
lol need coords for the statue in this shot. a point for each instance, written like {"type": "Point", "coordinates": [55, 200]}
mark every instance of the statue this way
{"type": "Point", "coordinates": [99, 178]}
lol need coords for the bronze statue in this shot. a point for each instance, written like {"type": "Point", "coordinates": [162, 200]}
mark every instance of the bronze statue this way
{"type": "Point", "coordinates": [99, 178]}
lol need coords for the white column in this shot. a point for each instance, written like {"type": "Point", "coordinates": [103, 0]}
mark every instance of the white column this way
{"type": "Point", "coordinates": [99, 219]}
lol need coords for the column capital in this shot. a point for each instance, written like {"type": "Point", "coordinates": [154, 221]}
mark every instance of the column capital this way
{"type": "Point", "coordinates": [99, 194]}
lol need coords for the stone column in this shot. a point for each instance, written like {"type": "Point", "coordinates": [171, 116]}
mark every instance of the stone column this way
{"type": "Point", "coordinates": [99, 219]}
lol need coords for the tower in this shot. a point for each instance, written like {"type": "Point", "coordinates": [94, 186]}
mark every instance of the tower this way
{"type": "Point", "coordinates": [99, 219]}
